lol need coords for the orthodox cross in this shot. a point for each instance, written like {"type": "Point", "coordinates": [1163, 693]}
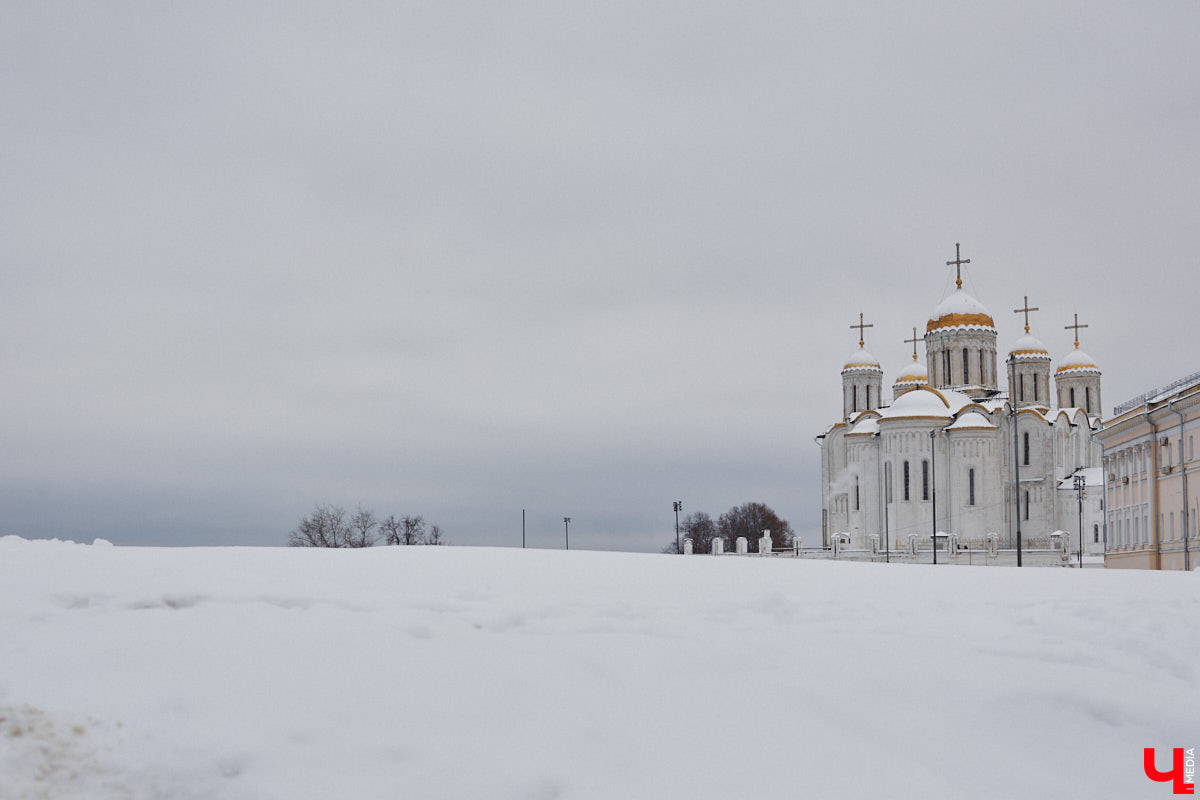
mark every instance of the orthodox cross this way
{"type": "Point", "coordinates": [1076, 326]}
{"type": "Point", "coordinates": [861, 328]}
{"type": "Point", "coordinates": [914, 341]}
{"type": "Point", "coordinates": [1026, 311]}
{"type": "Point", "coordinates": [958, 262]}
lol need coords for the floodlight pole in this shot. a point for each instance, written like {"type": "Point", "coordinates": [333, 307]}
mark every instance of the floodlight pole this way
{"type": "Point", "coordinates": [678, 507]}
{"type": "Point", "coordinates": [567, 530]}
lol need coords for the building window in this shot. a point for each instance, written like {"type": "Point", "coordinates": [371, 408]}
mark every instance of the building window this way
{"type": "Point", "coordinates": [966, 367]}
{"type": "Point", "coordinates": [856, 506]}
{"type": "Point", "coordinates": [946, 361]}
{"type": "Point", "coordinates": [1021, 387]}
{"type": "Point", "coordinates": [1072, 403]}
{"type": "Point", "coordinates": [971, 485]}
{"type": "Point", "coordinates": [1025, 460]}
{"type": "Point", "coordinates": [1096, 533]}
{"type": "Point", "coordinates": [1035, 388]}
{"type": "Point", "coordinates": [1087, 399]}
{"type": "Point", "coordinates": [906, 481]}
{"type": "Point", "coordinates": [982, 369]}
{"type": "Point", "coordinates": [925, 480]}
{"type": "Point", "coordinates": [854, 398]}
{"type": "Point", "coordinates": [1027, 505]}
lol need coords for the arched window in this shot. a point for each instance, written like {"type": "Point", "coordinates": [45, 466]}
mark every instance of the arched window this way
{"type": "Point", "coordinates": [966, 366]}
{"type": "Point", "coordinates": [868, 397]}
{"type": "Point", "coordinates": [1072, 403]}
{"type": "Point", "coordinates": [906, 481]}
{"type": "Point", "coordinates": [1035, 388]}
{"type": "Point", "coordinates": [925, 479]}
{"type": "Point", "coordinates": [854, 397]}
{"type": "Point", "coordinates": [1025, 460]}
{"type": "Point", "coordinates": [1087, 399]}
{"type": "Point", "coordinates": [1021, 387]}
{"type": "Point", "coordinates": [971, 487]}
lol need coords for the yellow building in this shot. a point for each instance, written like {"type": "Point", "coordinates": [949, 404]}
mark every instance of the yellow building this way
{"type": "Point", "coordinates": [1150, 480]}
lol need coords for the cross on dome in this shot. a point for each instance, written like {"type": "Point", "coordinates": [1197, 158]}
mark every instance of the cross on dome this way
{"type": "Point", "coordinates": [1026, 311]}
{"type": "Point", "coordinates": [1076, 326]}
{"type": "Point", "coordinates": [861, 329]}
{"type": "Point", "coordinates": [958, 262]}
{"type": "Point", "coordinates": [914, 341]}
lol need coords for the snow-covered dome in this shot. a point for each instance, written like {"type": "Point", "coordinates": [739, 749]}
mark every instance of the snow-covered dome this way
{"type": "Point", "coordinates": [960, 310]}
{"type": "Point", "coordinates": [918, 403]}
{"type": "Point", "coordinates": [1029, 348]}
{"type": "Point", "coordinates": [971, 419]}
{"type": "Point", "coordinates": [1077, 362]}
{"type": "Point", "coordinates": [867, 426]}
{"type": "Point", "coordinates": [910, 377]}
{"type": "Point", "coordinates": [861, 359]}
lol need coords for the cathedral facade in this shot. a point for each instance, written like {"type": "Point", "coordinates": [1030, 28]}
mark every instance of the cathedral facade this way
{"type": "Point", "coordinates": [937, 463]}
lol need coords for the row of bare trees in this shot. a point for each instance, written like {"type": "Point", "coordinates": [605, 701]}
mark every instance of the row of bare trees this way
{"type": "Point", "coordinates": [331, 526]}
{"type": "Point", "coordinates": [748, 519]}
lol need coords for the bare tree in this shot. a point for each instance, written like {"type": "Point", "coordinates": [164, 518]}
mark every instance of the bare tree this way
{"type": "Point", "coordinates": [391, 529]}
{"type": "Point", "coordinates": [412, 529]}
{"type": "Point", "coordinates": [700, 528]}
{"type": "Point", "coordinates": [750, 520]}
{"type": "Point", "coordinates": [362, 527]}
{"type": "Point", "coordinates": [325, 527]}
{"type": "Point", "coordinates": [435, 535]}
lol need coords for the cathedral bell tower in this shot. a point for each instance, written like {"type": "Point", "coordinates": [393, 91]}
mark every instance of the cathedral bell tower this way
{"type": "Point", "coordinates": [862, 378]}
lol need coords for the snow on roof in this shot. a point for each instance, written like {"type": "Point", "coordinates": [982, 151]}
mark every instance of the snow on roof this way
{"type": "Point", "coordinates": [861, 359]}
{"type": "Point", "coordinates": [1077, 361]}
{"type": "Point", "coordinates": [865, 427]}
{"type": "Point", "coordinates": [1092, 476]}
{"type": "Point", "coordinates": [919, 402]}
{"type": "Point", "coordinates": [972, 419]}
{"type": "Point", "coordinates": [1029, 347]}
{"type": "Point", "coordinates": [960, 310]}
{"type": "Point", "coordinates": [914, 371]}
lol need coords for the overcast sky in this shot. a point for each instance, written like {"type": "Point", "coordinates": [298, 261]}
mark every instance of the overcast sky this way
{"type": "Point", "coordinates": [583, 259]}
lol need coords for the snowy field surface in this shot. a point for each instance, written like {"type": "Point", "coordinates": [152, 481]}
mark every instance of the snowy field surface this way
{"type": "Point", "coordinates": [446, 672]}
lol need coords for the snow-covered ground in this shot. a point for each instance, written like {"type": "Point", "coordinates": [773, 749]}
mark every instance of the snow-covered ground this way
{"type": "Point", "coordinates": [446, 672]}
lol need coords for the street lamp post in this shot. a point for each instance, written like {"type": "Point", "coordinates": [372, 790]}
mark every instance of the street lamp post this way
{"type": "Point", "coordinates": [567, 530]}
{"type": "Point", "coordinates": [678, 504]}
{"type": "Point", "coordinates": [1080, 484]}
{"type": "Point", "coordinates": [933, 480]}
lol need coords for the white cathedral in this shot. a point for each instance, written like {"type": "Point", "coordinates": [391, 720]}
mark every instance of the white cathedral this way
{"type": "Point", "coordinates": [946, 440]}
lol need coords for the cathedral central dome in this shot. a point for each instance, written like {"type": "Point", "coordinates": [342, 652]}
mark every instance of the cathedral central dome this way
{"type": "Point", "coordinates": [960, 310]}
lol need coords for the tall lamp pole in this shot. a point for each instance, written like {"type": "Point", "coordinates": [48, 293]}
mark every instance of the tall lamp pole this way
{"type": "Point", "coordinates": [933, 480]}
{"type": "Point", "coordinates": [1012, 402]}
{"type": "Point", "coordinates": [1080, 483]}
{"type": "Point", "coordinates": [567, 530]}
{"type": "Point", "coordinates": [678, 504]}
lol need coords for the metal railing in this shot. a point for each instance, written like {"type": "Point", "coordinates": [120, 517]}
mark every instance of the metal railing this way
{"type": "Point", "coordinates": [1154, 394]}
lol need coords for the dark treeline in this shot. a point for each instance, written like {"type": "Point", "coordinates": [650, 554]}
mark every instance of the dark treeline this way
{"type": "Point", "coordinates": [748, 519]}
{"type": "Point", "coordinates": [332, 526]}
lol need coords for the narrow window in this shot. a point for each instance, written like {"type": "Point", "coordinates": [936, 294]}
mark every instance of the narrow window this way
{"type": "Point", "coordinates": [854, 398]}
{"type": "Point", "coordinates": [868, 397]}
{"type": "Point", "coordinates": [982, 369]}
{"type": "Point", "coordinates": [1027, 505]}
{"type": "Point", "coordinates": [1035, 388]}
{"type": "Point", "coordinates": [1021, 387]}
{"type": "Point", "coordinates": [966, 367]}
{"type": "Point", "coordinates": [1072, 397]}
{"type": "Point", "coordinates": [1025, 460]}
{"type": "Point", "coordinates": [906, 481]}
{"type": "Point", "coordinates": [925, 480]}
{"type": "Point", "coordinates": [1087, 399]}
{"type": "Point", "coordinates": [946, 366]}
{"type": "Point", "coordinates": [971, 490]}
{"type": "Point", "coordinates": [1096, 533]}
